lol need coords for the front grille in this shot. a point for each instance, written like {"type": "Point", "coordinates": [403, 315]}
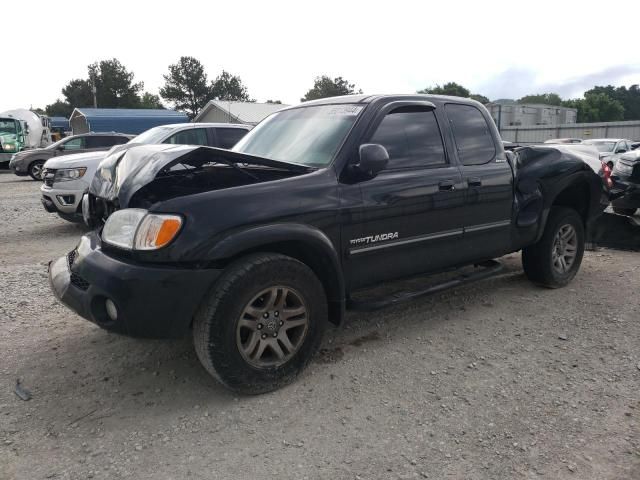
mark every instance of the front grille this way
{"type": "Point", "coordinates": [79, 282]}
{"type": "Point", "coordinates": [76, 280]}
{"type": "Point", "coordinates": [48, 175]}
{"type": "Point", "coordinates": [71, 257]}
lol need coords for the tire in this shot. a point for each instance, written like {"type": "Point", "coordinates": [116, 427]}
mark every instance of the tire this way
{"type": "Point", "coordinates": [235, 301]}
{"type": "Point", "coordinates": [624, 211]}
{"type": "Point", "coordinates": [35, 169]}
{"type": "Point", "coordinates": [538, 259]}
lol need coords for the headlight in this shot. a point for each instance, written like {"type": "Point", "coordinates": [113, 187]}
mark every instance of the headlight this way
{"type": "Point", "coordinates": [135, 229]}
{"type": "Point", "coordinates": [9, 147]}
{"type": "Point", "coordinates": [66, 174]}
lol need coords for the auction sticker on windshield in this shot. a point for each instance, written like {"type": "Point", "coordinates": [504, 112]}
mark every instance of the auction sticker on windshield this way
{"type": "Point", "coordinates": [348, 110]}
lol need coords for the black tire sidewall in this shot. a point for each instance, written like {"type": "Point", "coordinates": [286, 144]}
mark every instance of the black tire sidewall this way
{"type": "Point", "coordinates": [244, 281]}
{"type": "Point", "coordinates": [557, 220]}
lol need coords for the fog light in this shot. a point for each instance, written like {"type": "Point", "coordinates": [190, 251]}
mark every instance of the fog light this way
{"type": "Point", "coordinates": [66, 199]}
{"type": "Point", "coordinates": [112, 311]}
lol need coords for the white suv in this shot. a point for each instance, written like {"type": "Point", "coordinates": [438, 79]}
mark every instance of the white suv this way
{"type": "Point", "coordinates": [66, 179]}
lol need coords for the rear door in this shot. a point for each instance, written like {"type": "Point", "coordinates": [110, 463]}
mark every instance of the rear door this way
{"type": "Point", "coordinates": [411, 218]}
{"type": "Point", "coordinates": [488, 179]}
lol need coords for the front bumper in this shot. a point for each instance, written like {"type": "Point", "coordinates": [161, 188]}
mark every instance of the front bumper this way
{"type": "Point", "coordinates": [151, 301]}
{"type": "Point", "coordinates": [6, 157]}
{"type": "Point", "coordinates": [65, 200]}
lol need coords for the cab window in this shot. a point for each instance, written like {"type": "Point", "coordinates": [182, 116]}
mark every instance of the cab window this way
{"type": "Point", "coordinates": [412, 138]}
{"type": "Point", "coordinates": [471, 133]}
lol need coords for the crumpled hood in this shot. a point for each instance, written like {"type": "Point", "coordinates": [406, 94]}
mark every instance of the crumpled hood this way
{"type": "Point", "coordinates": [128, 168]}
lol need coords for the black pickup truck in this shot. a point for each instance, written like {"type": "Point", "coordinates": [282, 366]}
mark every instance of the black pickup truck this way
{"type": "Point", "coordinates": [255, 249]}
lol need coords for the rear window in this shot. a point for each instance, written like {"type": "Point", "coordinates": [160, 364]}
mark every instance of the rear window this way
{"type": "Point", "coordinates": [471, 133]}
{"type": "Point", "coordinates": [228, 137]}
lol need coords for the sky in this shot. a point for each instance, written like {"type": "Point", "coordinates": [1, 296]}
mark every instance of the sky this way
{"type": "Point", "coordinates": [501, 49]}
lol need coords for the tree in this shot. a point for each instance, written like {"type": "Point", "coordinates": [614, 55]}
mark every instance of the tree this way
{"type": "Point", "coordinates": [59, 109]}
{"type": "Point", "coordinates": [454, 89]}
{"type": "Point", "coordinates": [451, 88]}
{"type": "Point", "coordinates": [324, 87]}
{"type": "Point", "coordinates": [229, 87]}
{"type": "Point", "coordinates": [628, 97]}
{"type": "Point", "coordinates": [114, 85]}
{"type": "Point", "coordinates": [543, 98]}
{"type": "Point", "coordinates": [77, 93]}
{"type": "Point", "coordinates": [479, 98]}
{"type": "Point", "coordinates": [596, 107]}
{"type": "Point", "coordinates": [186, 86]}
{"type": "Point", "coordinates": [149, 100]}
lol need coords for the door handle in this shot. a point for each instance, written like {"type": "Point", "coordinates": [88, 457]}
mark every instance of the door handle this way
{"type": "Point", "coordinates": [447, 186]}
{"type": "Point", "coordinates": [474, 182]}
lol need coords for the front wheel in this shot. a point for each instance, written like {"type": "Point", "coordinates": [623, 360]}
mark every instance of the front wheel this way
{"type": "Point", "coordinates": [35, 169]}
{"type": "Point", "coordinates": [624, 211]}
{"type": "Point", "coordinates": [261, 324]}
{"type": "Point", "coordinates": [556, 258]}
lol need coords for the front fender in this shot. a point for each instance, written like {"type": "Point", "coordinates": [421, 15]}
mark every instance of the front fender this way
{"type": "Point", "coordinates": [307, 243]}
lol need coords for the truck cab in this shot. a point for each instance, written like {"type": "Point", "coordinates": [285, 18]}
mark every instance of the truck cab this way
{"type": "Point", "coordinates": [12, 137]}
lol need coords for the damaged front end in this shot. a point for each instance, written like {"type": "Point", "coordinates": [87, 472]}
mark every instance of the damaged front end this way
{"type": "Point", "coordinates": [141, 176]}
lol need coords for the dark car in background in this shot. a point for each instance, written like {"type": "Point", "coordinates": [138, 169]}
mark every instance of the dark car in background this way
{"type": "Point", "coordinates": [30, 162]}
{"type": "Point", "coordinates": [626, 178]}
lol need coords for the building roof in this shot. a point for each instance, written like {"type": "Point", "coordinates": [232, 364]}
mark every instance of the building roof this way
{"type": "Point", "coordinates": [124, 120]}
{"type": "Point", "coordinates": [241, 112]}
{"type": "Point", "coordinates": [59, 122]}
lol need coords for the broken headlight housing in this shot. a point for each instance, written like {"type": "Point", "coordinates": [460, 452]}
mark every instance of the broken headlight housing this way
{"type": "Point", "coordinates": [137, 229]}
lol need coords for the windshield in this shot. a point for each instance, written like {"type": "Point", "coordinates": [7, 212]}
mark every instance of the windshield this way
{"type": "Point", "coordinates": [153, 135]}
{"type": "Point", "coordinates": [308, 135]}
{"type": "Point", "coordinates": [602, 146]}
{"type": "Point", "coordinates": [7, 126]}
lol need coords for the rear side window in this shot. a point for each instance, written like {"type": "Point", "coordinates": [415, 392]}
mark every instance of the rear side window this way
{"type": "Point", "coordinates": [103, 141]}
{"type": "Point", "coordinates": [192, 136]}
{"type": "Point", "coordinates": [412, 137]}
{"type": "Point", "coordinates": [471, 133]}
{"type": "Point", "coordinates": [228, 137]}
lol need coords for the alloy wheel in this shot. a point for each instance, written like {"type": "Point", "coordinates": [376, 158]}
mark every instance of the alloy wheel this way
{"type": "Point", "coordinates": [272, 327]}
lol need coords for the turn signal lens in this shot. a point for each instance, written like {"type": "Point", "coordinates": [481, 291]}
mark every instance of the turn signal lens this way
{"type": "Point", "coordinates": [156, 231]}
{"type": "Point", "coordinates": [606, 173]}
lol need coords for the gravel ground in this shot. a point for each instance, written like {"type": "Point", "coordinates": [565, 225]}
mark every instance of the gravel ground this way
{"type": "Point", "coordinates": [495, 380]}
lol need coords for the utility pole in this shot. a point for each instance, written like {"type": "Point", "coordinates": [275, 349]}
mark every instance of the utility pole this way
{"type": "Point", "coordinates": [94, 90]}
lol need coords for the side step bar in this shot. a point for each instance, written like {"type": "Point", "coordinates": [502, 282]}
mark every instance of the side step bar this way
{"type": "Point", "coordinates": [489, 269]}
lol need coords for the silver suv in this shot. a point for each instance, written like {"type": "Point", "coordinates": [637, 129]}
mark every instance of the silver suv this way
{"type": "Point", "coordinates": [66, 179]}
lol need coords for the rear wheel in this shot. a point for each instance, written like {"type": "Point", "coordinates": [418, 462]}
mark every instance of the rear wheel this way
{"type": "Point", "coordinates": [624, 211]}
{"type": "Point", "coordinates": [35, 169]}
{"type": "Point", "coordinates": [261, 324]}
{"type": "Point", "coordinates": [556, 258]}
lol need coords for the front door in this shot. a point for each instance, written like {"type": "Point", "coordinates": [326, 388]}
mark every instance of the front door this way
{"type": "Point", "coordinates": [411, 217]}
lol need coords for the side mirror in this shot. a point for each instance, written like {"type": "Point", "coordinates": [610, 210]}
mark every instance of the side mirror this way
{"type": "Point", "coordinates": [621, 150]}
{"type": "Point", "coordinates": [373, 159]}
